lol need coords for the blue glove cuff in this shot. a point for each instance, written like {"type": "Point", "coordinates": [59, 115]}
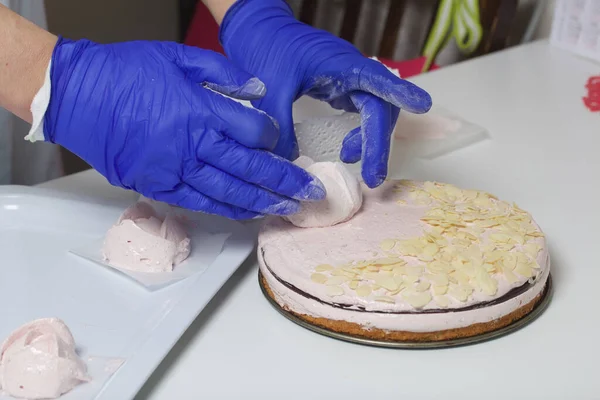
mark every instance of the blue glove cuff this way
{"type": "Point", "coordinates": [63, 53]}
{"type": "Point", "coordinates": [243, 9]}
{"type": "Point", "coordinates": [48, 119]}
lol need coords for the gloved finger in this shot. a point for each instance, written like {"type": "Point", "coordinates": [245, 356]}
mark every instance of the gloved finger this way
{"type": "Point", "coordinates": [227, 189]}
{"type": "Point", "coordinates": [352, 147]}
{"type": "Point", "coordinates": [259, 167]}
{"type": "Point", "coordinates": [378, 119]}
{"type": "Point", "coordinates": [186, 197]}
{"type": "Point", "coordinates": [280, 108]}
{"type": "Point", "coordinates": [352, 144]}
{"type": "Point", "coordinates": [376, 79]}
{"type": "Point", "coordinates": [248, 126]}
{"type": "Point", "coordinates": [218, 73]}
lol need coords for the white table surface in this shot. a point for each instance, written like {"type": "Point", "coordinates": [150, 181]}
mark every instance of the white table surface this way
{"type": "Point", "coordinates": [545, 155]}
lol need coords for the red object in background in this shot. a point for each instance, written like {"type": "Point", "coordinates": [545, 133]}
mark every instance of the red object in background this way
{"type": "Point", "coordinates": [408, 68]}
{"type": "Point", "coordinates": [204, 33]}
{"type": "Point", "coordinates": [592, 101]}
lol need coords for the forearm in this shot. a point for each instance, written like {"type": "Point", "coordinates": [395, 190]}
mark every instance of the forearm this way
{"type": "Point", "coordinates": [25, 51]}
{"type": "Point", "coordinates": [218, 8]}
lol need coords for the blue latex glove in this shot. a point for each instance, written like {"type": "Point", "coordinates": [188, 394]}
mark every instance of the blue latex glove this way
{"type": "Point", "coordinates": [138, 113]}
{"type": "Point", "coordinates": [294, 59]}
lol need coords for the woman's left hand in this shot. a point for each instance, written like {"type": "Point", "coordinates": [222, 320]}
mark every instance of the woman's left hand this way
{"type": "Point", "coordinates": [294, 59]}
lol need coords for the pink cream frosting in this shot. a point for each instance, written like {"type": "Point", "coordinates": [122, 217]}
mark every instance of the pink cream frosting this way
{"type": "Point", "coordinates": [292, 253]}
{"type": "Point", "coordinates": [38, 361]}
{"type": "Point", "coordinates": [142, 241]}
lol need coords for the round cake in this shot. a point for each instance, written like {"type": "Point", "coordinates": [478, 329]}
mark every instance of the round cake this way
{"type": "Point", "coordinates": [421, 261]}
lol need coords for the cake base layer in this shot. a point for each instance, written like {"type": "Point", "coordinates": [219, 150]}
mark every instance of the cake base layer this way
{"type": "Point", "coordinates": [353, 329]}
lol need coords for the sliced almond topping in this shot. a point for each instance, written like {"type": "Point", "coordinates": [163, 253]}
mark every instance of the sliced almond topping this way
{"type": "Point", "coordinates": [489, 268]}
{"type": "Point", "coordinates": [318, 278]}
{"type": "Point", "coordinates": [342, 272]}
{"type": "Point", "coordinates": [439, 290]}
{"type": "Point", "coordinates": [400, 270]}
{"type": "Point", "coordinates": [384, 299]}
{"type": "Point", "coordinates": [425, 257]}
{"type": "Point", "coordinates": [439, 279]}
{"type": "Point", "coordinates": [437, 267]}
{"type": "Point", "coordinates": [323, 268]}
{"type": "Point", "coordinates": [395, 292]}
{"type": "Point", "coordinates": [524, 269]}
{"type": "Point", "coordinates": [430, 249]}
{"type": "Point", "coordinates": [500, 237]}
{"type": "Point", "coordinates": [387, 283]}
{"type": "Point", "coordinates": [469, 270]}
{"type": "Point", "coordinates": [535, 233]}
{"type": "Point", "coordinates": [422, 286]}
{"type": "Point", "coordinates": [487, 223]}
{"type": "Point", "coordinates": [522, 257]}
{"type": "Point", "coordinates": [486, 283]}
{"type": "Point", "coordinates": [457, 263]}
{"type": "Point", "coordinates": [407, 249]}
{"type": "Point", "coordinates": [418, 300]}
{"type": "Point", "coordinates": [460, 277]}
{"type": "Point", "coordinates": [371, 275]}
{"type": "Point", "coordinates": [353, 284]}
{"type": "Point", "coordinates": [510, 261]}
{"type": "Point", "coordinates": [509, 275]}
{"type": "Point", "coordinates": [493, 256]}
{"type": "Point", "coordinates": [363, 291]}
{"type": "Point", "coordinates": [387, 261]}
{"type": "Point", "coordinates": [442, 301]}
{"type": "Point", "coordinates": [459, 293]}
{"type": "Point", "coordinates": [470, 236]}
{"type": "Point", "coordinates": [505, 246]}
{"type": "Point", "coordinates": [387, 244]}
{"type": "Point", "coordinates": [488, 248]}
{"type": "Point", "coordinates": [532, 249]}
{"type": "Point", "coordinates": [334, 291]}
{"type": "Point", "coordinates": [414, 270]}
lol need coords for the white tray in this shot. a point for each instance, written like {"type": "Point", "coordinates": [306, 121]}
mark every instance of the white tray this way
{"type": "Point", "coordinates": [109, 316]}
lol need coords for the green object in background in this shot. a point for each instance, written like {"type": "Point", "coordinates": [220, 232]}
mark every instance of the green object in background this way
{"type": "Point", "coordinates": [458, 19]}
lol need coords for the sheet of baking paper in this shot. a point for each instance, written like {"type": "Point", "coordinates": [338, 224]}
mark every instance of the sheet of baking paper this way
{"type": "Point", "coordinates": [436, 133]}
{"type": "Point", "coordinates": [100, 369]}
{"type": "Point", "coordinates": [206, 245]}
{"type": "Point", "coordinates": [429, 135]}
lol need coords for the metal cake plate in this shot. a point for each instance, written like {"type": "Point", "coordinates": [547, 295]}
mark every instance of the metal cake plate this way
{"type": "Point", "coordinates": [518, 324]}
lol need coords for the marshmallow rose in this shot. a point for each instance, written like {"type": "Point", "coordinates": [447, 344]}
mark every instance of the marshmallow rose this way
{"type": "Point", "coordinates": [344, 195]}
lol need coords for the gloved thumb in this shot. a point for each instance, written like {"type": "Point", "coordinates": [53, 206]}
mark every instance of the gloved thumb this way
{"type": "Point", "coordinates": [216, 72]}
{"type": "Point", "coordinates": [280, 108]}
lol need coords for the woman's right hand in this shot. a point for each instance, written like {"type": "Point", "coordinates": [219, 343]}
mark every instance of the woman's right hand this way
{"type": "Point", "coordinates": [140, 113]}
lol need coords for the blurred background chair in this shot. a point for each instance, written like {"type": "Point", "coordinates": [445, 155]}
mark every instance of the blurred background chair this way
{"type": "Point", "coordinates": [411, 35]}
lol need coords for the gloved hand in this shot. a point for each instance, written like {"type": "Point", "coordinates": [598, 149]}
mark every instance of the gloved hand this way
{"type": "Point", "coordinates": [294, 59]}
{"type": "Point", "coordinates": [137, 112]}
